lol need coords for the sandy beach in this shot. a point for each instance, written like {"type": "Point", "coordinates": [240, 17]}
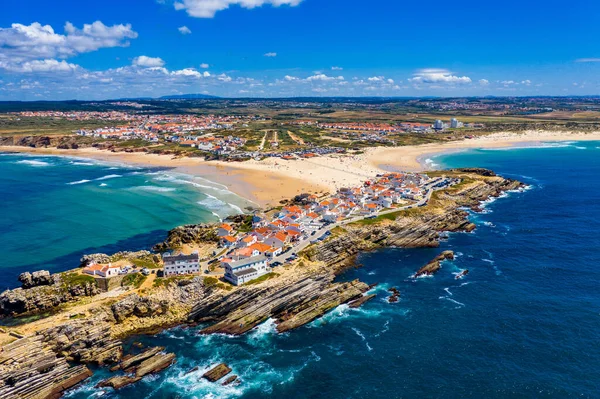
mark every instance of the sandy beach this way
{"type": "Point", "coordinates": [268, 181]}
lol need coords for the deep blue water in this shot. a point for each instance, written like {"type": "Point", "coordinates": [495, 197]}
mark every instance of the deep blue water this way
{"type": "Point", "coordinates": [524, 323]}
{"type": "Point", "coordinates": [55, 209]}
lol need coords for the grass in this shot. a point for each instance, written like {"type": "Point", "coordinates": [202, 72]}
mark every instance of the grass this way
{"type": "Point", "coordinates": [72, 279]}
{"type": "Point", "coordinates": [146, 261]}
{"type": "Point", "coordinates": [262, 278]}
{"type": "Point", "coordinates": [165, 281]}
{"type": "Point", "coordinates": [134, 279]}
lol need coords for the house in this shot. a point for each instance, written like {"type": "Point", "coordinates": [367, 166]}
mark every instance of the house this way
{"type": "Point", "coordinates": [225, 230]}
{"type": "Point", "coordinates": [261, 248]}
{"type": "Point", "coordinates": [228, 241]}
{"type": "Point", "coordinates": [181, 264]}
{"type": "Point", "coordinates": [105, 271]}
{"type": "Point", "coordinates": [246, 241]}
{"type": "Point", "coordinates": [277, 240]}
{"type": "Point", "coordinates": [242, 271]}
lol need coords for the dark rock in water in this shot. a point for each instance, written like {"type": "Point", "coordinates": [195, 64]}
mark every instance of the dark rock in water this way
{"type": "Point", "coordinates": [132, 361]}
{"type": "Point", "coordinates": [462, 274]}
{"type": "Point", "coordinates": [395, 295]}
{"type": "Point", "coordinates": [118, 382]}
{"type": "Point", "coordinates": [359, 302]}
{"type": "Point", "coordinates": [217, 372]}
{"type": "Point", "coordinates": [138, 344]}
{"type": "Point", "coordinates": [149, 362]}
{"type": "Point", "coordinates": [230, 380]}
{"type": "Point", "coordinates": [432, 267]}
{"type": "Point", "coordinates": [192, 370]}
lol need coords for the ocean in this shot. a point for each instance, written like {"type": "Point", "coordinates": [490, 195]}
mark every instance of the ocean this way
{"type": "Point", "coordinates": [524, 323]}
{"type": "Point", "coordinates": [55, 209]}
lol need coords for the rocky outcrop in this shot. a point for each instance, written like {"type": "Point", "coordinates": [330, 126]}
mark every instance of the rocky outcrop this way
{"type": "Point", "coordinates": [434, 266]}
{"type": "Point", "coordinates": [135, 305]}
{"type": "Point", "coordinates": [291, 303]}
{"type": "Point", "coordinates": [188, 234]}
{"type": "Point", "coordinates": [395, 295]}
{"type": "Point", "coordinates": [43, 297]}
{"type": "Point", "coordinates": [35, 279]}
{"type": "Point", "coordinates": [127, 255]}
{"type": "Point", "coordinates": [360, 301]}
{"type": "Point", "coordinates": [29, 370]}
{"type": "Point", "coordinates": [149, 362]}
{"type": "Point", "coordinates": [61, 142]}
{"type": "Point", "coordinates": [217, 372]}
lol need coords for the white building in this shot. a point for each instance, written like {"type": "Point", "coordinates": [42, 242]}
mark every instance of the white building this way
{"type": "Point", "coordinates": [105, 271]}
{"type": "Point", "coordinates": [438, 125]}
{"type": "Point", "coordinates": [181, 264]}
{"type": "Point", "coordinates": [242, 271]}
{"type": "Point", "coordinates": [455, 124]}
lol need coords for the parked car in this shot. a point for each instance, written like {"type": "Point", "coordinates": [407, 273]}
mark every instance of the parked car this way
{"type": "Point", "coordinates": [145, 271]}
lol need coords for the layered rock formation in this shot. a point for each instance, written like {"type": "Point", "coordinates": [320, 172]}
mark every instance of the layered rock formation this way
{"type": "Point", "coordinates": [38, 298]}
{"type": "Point", "coordinates": [435, 264]}
{"type": "Point", "coordinates": [290, 303]}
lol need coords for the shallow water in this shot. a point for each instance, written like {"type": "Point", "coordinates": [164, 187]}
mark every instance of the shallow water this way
{"type": "Point", "coordinates": [55, 209]}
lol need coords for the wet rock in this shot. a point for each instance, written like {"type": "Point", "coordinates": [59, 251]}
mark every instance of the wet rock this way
{"type": "Point", "coordinates": [435, 265]}
{"type": "Point", "coordinates": [395, 295]}
{"type": "Point", "coordinates": [462, 274]}
{"type": "Point", "coordinates": [230, 380]}
{"type": "Point", "coordinates": [217, 372]}
{"type": "Point", "coordinates": [360, 301]}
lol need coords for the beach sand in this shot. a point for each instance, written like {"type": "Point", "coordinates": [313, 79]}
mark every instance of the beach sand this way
{"type": "Point", "coordinates": [268, 181]}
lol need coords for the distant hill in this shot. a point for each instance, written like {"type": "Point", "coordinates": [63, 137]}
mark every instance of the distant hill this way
{"type": "Point", "coordinates": [187, 97]}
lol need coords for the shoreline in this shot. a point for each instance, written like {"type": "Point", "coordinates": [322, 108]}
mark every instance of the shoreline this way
{"type": "Point", "coordinates": [271, 180]}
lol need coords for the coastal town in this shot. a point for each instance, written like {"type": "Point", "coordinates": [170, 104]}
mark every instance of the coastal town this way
{"type": "Point", "coordinates": [269, 242]}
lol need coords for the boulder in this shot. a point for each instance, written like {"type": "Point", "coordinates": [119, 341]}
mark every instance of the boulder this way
{"type": "Point", "coordinates": [217, 372]}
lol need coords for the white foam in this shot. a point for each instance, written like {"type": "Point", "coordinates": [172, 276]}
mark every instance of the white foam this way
{"type": "Point", "coordinates": [34, 162]}
{"type": "Point", "coordinates": [103, 184]}
{"type": "Point", "coordinates": [108, 177]}
{"type": "Point", "coordinates": [155, 188]}
{"type": "Point", "coordinates": [360, 334]}
{"type": "Point", "coordinates": [79, 163]}
{"type": "Point", "coordinates": [460, 304]}
{"type": "Point", "coordinates": [447, 289]}
{"type": "Point", "coordinates": [78, 182]}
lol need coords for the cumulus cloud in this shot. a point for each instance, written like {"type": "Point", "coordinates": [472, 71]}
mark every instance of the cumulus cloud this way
{"type": "Point", "coordinates": [36, 41]}
{"type": "Point", "coordinates": [184, 30]}
{"type": "Point", "coordinates": [270, 54]}
{"type": "Point", "coordinates": [148, 62]}
{"type": "Point", "coordinates": [290, 78]}
{"type": "Point", "coordinates": [187, 72]}
{"type": "Point", "coordinates": [323, 78]}
{"type": "Point", "coordinates": [336, 68]}
{"type": "Point", "coordinates": [208, 8]}
{"type": "Point", "coordinates": [41, 66]}
{"type": "Point", "coordinates": [484, 82]}
{"type": "Point", "coordinates": [438, 76]}
{"type": "Point", "coordinates": [204, 66]}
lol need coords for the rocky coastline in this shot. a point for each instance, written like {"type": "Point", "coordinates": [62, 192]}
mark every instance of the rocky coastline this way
{"type": "Point", "coordinates": [50, 360]}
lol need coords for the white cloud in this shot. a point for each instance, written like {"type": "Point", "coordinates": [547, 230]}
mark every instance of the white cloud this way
{"type": "Point", "coordinates": [48, 65]}
{"type": "Point", "coordinates": [526, 82]}
{"type": "Point", "coordinates": [484, 82]}
{"type": "Point", "coordinates": [438, 76]}
{"type": "Point", "coordinates": [224, 78]}
{"type": "Point", "coordinates": [375, 79]}
{"type": "Point", "coordinates": [290, 78]}
{"type": "Point", "coordinates": [208, 8]}
{"type": "Point", "coordinates": [270, 54]}
{"type": "Point", "coordinates": [21, 44]}
{"type": "Point", "coordinates": [187, 72]}
{"type": "Point", "coordinates": [587, 60]}
{"type": "Point", "coordinates": [204, 66]}
{"type": "Point", "coordinates": [148, 62]}
{"type": "Point", "coordinates": [323, 78]}
{"type": "Point", "coordinates": [390, 81]}
{"type": "Point", "coordinates": [184, 30]}
{"type": "Point", "coordinates": [336, 68]}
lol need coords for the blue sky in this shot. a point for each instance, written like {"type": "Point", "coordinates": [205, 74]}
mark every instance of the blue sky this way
{"type": "Point", "coordinates": [270, 48]}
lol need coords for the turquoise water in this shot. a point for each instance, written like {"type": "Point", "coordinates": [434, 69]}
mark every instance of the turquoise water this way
{"type": "Point", "coordinates": [55, 209]}
{"type": "Point", "coordinates": [525, 322]}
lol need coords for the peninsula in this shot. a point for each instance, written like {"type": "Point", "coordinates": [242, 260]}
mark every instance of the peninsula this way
{"type": "Point", "coordinates": [57, 325]}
